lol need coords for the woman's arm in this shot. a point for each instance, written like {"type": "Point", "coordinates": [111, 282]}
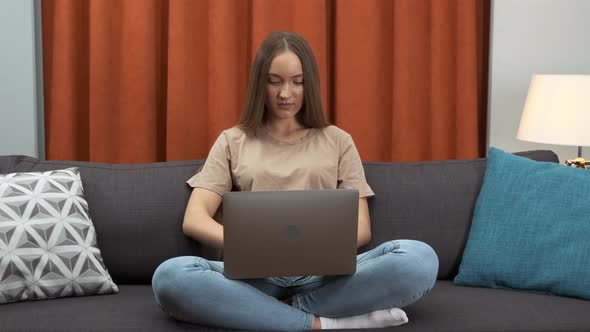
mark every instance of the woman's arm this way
{"type": "Point", "coordinates": [198, 221]}
{"type": "Point", "coordinates": [364, 227]}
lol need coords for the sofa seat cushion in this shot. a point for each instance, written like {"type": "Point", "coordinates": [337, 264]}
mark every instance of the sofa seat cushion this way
{"type": "Point", "coordinates": [446, 308]}
{"type": "Point", "coordinates": [134, 308]}
{"type": "Point", "coordinates": [455, 308]}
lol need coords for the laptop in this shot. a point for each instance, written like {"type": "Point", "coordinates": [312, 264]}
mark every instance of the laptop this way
{"type": "Point", "coordinates": [290, 233]}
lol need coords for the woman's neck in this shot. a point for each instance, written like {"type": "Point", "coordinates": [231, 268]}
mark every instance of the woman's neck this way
{"type": "Point", "coordinates": [285, 129]}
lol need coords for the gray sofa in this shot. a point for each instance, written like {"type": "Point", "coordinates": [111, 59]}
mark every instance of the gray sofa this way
{"type": "Point", "coordinates": [137, 211]}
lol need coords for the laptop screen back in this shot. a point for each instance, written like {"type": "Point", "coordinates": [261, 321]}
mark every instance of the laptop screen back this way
{"type": "Point", "coordinates": [290, 233]}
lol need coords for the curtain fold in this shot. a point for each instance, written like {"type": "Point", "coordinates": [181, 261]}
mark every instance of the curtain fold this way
{"type": "Point", "coordinates": [157, 80]}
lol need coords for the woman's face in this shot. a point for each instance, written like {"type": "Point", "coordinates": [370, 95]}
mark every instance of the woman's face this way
{"type": "Point", "coordinates": [284, 86]}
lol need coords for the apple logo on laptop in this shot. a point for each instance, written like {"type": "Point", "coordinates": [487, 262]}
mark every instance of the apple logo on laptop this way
{"type": "Point", "coordinates": [292, 233]}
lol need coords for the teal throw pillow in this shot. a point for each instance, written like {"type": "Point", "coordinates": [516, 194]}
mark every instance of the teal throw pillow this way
{"type": "Point", "coordinates": [530, 229]}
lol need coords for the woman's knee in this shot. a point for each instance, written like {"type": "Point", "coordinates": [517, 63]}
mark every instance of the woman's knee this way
{"type": "Point", "coordinates": [389, 246]}
{"type": "Point", "coordinates": [415, 267]}
{"type": "Point", "coordinates": [168, 276]}
{"type": "Point", "coordinates": [421, 261]}
{"type": "Point", "coordinates": [424, 258]}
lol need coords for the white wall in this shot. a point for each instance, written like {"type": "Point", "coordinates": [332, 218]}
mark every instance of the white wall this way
{"type": "Point", "coordinates": [20, 80]}
{"type": "Point", "coordinates": [533, 37]}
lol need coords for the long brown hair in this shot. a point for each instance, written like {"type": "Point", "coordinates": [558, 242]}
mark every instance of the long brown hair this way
{"type": "Point", "coordinates": [311, 114]}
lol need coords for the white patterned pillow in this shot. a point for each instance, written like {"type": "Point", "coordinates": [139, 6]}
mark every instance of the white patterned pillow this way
{"type": "Point", "coordinates": [47, 241]}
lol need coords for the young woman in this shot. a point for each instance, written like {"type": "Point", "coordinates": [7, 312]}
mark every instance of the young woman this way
{"type": "Point", "coordinates": [282, 142]}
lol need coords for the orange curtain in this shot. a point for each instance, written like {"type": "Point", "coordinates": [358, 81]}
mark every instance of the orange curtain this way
{"type": "Point", "coordinates": [156, 80]}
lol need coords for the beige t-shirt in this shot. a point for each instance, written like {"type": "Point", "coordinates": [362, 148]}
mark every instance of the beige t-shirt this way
{"type": "Point", "coordinates": [323, 159]}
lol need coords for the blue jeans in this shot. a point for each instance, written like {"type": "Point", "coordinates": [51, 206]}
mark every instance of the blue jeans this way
{"type": "Point", "coordinates": [394, 274]}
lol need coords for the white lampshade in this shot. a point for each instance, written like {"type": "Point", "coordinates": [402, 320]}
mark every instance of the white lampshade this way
{"type": "Point", "coordinates": [557, 110]}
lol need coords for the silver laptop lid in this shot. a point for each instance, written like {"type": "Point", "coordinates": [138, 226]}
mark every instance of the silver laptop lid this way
{"type": "Point", "coordinates": [290, 233]}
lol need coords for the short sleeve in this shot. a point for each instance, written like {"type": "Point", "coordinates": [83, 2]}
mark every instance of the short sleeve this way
{"type": "Point", "coordinates": [351, 174]}
{"type": "Point", "coordinates": [215, 174]}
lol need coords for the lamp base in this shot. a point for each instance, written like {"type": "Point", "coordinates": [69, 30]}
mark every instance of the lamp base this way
{"type": "Point", "coordinates": [578, 163]}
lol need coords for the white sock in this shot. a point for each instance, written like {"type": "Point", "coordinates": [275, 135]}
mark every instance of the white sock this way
{"type": "Point", "coordinates": [379, 318]}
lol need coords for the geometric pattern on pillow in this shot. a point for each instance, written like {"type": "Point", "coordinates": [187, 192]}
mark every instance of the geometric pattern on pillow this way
{"type": "Point", "coordinates": [48, 245]}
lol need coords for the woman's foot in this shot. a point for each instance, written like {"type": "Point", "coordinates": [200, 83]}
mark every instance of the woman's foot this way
{"type": "Point", "coordinates": [379, 318]}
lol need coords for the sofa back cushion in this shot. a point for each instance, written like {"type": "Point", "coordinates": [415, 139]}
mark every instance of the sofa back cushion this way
{"type": "Point", "coordinates": [138, 209]}
{"type": "Point", "coordinates": [429, 201]}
